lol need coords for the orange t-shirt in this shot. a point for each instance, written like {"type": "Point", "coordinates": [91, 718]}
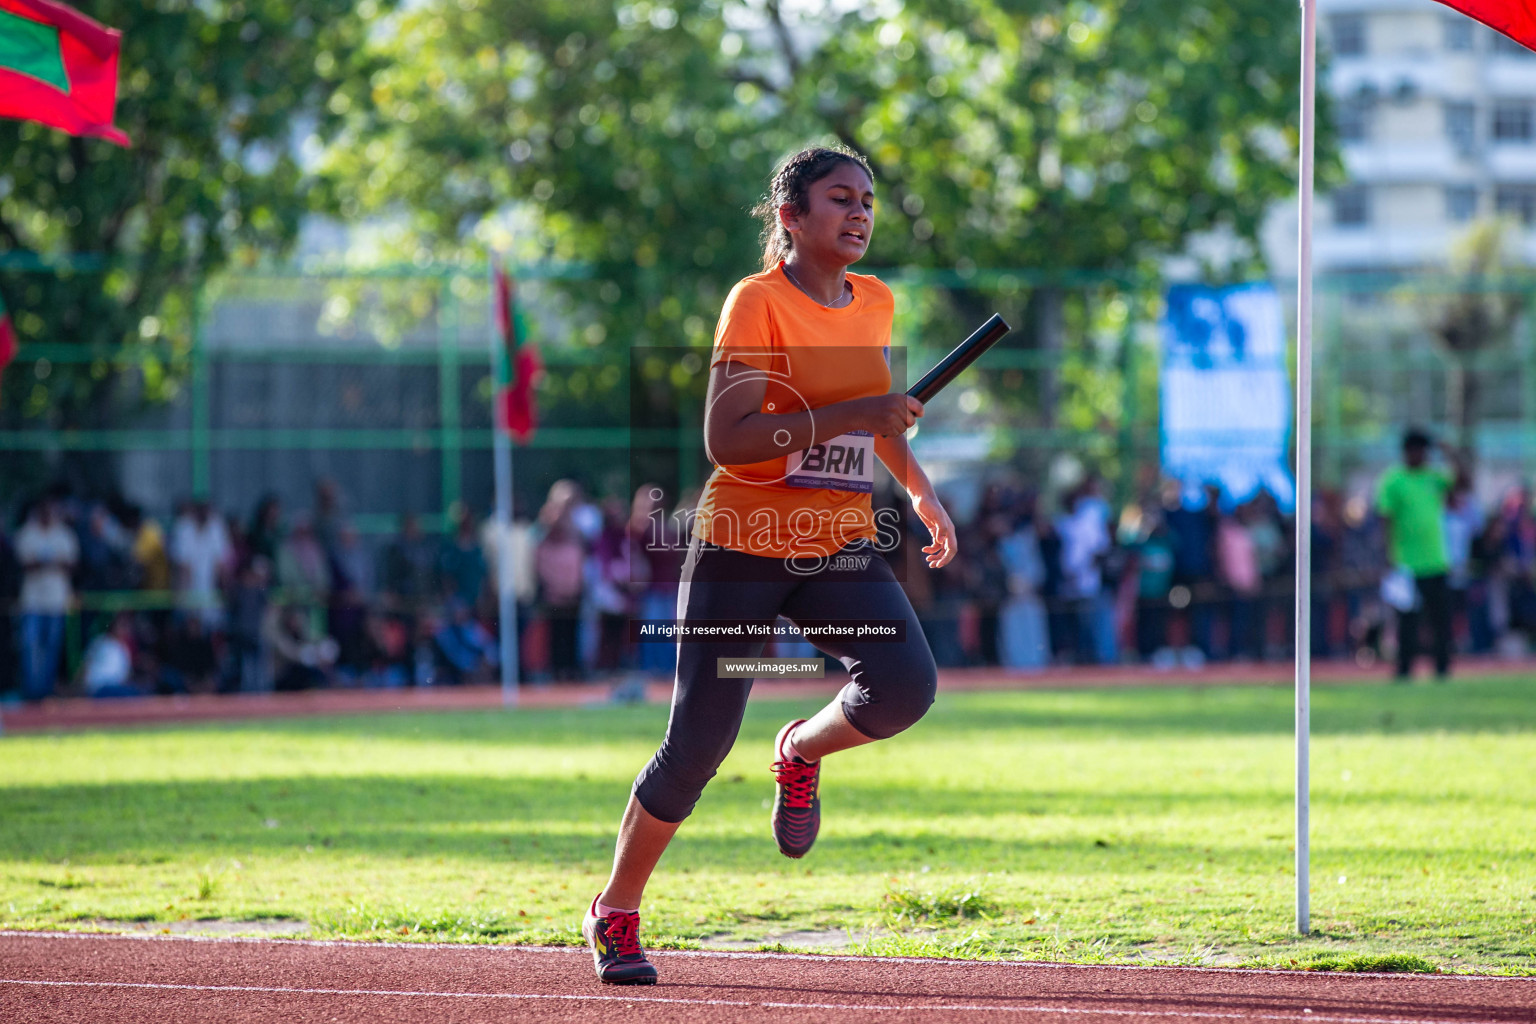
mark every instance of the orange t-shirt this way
{"type": "Point", "coordinates": [816, 501]}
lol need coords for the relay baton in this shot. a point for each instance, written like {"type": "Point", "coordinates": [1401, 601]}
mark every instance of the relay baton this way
{"type": "Point", "coordinates": [965, 353]}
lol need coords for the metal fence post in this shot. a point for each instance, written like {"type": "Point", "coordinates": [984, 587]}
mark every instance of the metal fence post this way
{"type": "Point", "coordinates": [1129, 453]}
{"type": "Point", "coordinates": [202, 405]}
{"type": "Point", "coordinates": [1333, 396]}
{"type": "Point", "coordinates": [1528, 371]}
{"type": "Point", "coordinates": [450, 427]}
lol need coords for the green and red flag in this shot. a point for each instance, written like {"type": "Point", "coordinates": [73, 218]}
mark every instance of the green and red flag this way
{"type": "Point", "coordinates": [7, 337]}
{"type": "Point", "coordinates": [1513, 18]}
{"type": "Point", "coordinates": [515, 409]}
{"type": "Point", "coordinates": [58, 67]}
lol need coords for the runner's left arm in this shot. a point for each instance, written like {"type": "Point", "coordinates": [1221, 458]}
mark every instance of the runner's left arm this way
{"type": "Point", "coordinates": [896, 455]}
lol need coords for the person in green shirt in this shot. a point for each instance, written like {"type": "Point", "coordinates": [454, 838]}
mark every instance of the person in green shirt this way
{"type": "Point", "coordinates": [1411, 499]}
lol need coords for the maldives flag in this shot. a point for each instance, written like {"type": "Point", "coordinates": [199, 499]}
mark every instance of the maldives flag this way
{"type": "Point", "coordinates": [58, 67]}
{"type": "Point", "coordinates": [1514, 18]}
{"type": "Point", "coordinates": [7, 338]}
{"type": "Point", "coordinates": [514, 403]}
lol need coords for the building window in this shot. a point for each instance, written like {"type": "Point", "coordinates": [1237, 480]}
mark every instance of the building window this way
{"type": "Point", "coordinates": [1351, 206]}
{"type": "Point", "coordinates": [1348, 35]}
{"type": "Point", "coordinates": [1507, 47]}
{"type": "Point", "coordinates": [1458, 32]}
{"type": "Point", "coordinates": [1460, 203]}
{"type": "Point", "coordinates": [1461, 126]}
{"type": "Point", "coordinates": [1519, 200]}
{"type": "Point", "coordinates": [1354, 119]}
{"type": "Point", "coordinates": [1513, 121]}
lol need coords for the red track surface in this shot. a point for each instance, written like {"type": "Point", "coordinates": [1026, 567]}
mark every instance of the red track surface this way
{"type": "Point", "coordinates": [84, 713]}
{"type": "Point", "coordinates": [98, 979]}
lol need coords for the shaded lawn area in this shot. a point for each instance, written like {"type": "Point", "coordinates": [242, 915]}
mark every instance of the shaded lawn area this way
{"type": "Point", "coordinates": [1148, 825]}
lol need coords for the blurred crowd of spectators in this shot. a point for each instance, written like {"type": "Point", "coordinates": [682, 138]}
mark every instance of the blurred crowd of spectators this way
{"type": "Point", "coordinates": [101, 599]}
{"type": "Point", "coordinates": [1182, 577]}
{"type": "Point", "coordinates": [1178, 578]}
{"type": "Point", "coordinates": [98, 598]}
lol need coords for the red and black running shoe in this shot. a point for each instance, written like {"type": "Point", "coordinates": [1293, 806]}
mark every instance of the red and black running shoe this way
{"type": "Point", "coordinates": [796, 807]}
{"type": "Point", "coordinates": [615, 941]}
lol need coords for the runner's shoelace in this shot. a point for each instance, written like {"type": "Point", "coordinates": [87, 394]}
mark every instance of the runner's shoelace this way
{"type": "Point", "coordinates": [624, 934]}
{"type": "Point", "coordinates": [798, 780]}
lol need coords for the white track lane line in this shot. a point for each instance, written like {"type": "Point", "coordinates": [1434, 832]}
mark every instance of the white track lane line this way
{"type": "Point", "coordinates": [727, 954]}
{"type": "Point", "coordinates": [1312, 1018]}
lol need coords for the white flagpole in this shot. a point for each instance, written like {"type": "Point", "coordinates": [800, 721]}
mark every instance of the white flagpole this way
{"type": "Point", "coordinates": [1304, 474]}
{"type": "Point", "coordinates": [502, 456]}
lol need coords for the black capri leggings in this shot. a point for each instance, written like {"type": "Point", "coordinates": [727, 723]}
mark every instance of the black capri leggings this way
{"type": "Point", "coordinates": [892, 684]}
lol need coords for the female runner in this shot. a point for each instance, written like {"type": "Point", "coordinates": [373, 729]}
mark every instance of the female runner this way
{"type": "Point", "coordinates": [798, 399]}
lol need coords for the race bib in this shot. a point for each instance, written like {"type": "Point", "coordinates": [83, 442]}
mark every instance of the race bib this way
{"type": "Point", "coordinates": [842, 463]}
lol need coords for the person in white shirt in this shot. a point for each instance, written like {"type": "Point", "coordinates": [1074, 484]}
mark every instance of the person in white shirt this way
{"type": "Point", "coordinates": [201, 552]}
{"type": "Point", "coordinates": [47, 550]}
{"type": "Point", "coordinates": [1085, 542]}
{"type": "Point", "coordinates": [1023, 640]}
{"type": "Point", "coordinates": [108, 668]}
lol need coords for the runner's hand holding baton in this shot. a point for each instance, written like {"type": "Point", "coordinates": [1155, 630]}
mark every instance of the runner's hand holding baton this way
{"type": "Point", "coordinates": [946, 370]}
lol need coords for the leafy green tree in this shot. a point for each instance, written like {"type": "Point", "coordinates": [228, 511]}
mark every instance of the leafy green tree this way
{"type": "Point", "coordinates": [633, 138]}
{"type": "Point", "coordinates": [218, 97]}
{"type": "Point", "coordinates": [1042, 135]}
{"type": "Point", "coordinates": [1476, 315]}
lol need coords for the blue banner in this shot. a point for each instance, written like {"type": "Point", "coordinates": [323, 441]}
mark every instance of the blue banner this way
{"type": "Point", "coordinates": [1226, 395]}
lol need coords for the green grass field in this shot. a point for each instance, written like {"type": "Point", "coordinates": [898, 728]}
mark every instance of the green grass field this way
{"type": "Point", "coordinates": [1146, 825]}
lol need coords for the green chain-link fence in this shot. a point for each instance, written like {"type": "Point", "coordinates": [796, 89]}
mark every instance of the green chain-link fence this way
{"type": "Point", "coordinates": [382, 383]}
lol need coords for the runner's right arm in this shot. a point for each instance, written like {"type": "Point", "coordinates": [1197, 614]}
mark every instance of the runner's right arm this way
{"type": "Point", "coordinates": [737, 432]}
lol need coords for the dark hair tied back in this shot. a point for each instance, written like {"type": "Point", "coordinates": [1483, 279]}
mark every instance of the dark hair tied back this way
{"type": "Point", "coordinates": [790, 186]}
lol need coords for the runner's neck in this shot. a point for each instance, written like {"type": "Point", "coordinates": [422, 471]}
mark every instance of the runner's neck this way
{"type": "Point", "coordinates": [817, 284]}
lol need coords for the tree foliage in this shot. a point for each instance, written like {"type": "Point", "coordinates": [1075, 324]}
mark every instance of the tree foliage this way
{"type": "Point", "coordinates": [218, 96]}
{"type": "Point", "coordinates": [1477, 314]}
{"type": "Point", "coordinates": [1037, 135]}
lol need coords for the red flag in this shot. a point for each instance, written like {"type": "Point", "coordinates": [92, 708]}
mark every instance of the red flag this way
{"type": "Point", "coordinates": [58, 67]}
{"type": "Point", "coordinates": [1513, 18]}
{"type": "Point", "coordinates": [7, 338]}
{"type": "Point", "coordinates": [515, 409]}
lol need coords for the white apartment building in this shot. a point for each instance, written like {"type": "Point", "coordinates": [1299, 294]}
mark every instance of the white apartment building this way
{"type": "Point", "coordinates": [1436, 118]}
